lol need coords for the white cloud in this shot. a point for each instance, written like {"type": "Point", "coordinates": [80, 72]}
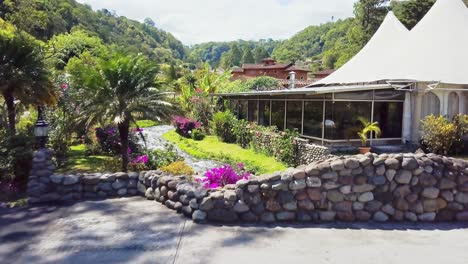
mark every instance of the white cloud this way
{"type": "Point", "coordinates": [196, 21]}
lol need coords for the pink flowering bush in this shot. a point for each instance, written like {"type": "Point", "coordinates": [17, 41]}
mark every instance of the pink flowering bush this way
{"type": "Point", "coordinates": [224, 175]}
{"type": "Point", "coordinates": [184, 126]}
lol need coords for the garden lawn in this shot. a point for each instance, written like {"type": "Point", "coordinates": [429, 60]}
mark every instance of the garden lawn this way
{"type": "Point", "coordinates": [146, 123]}
{"type": "Point", "coordinates": [78, 162]}
{"type": "Point", "coordinates": [212, 148]}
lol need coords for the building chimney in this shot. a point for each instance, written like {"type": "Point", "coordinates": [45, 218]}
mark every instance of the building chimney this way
{"type": "Point", "coordinates": [292, 80]}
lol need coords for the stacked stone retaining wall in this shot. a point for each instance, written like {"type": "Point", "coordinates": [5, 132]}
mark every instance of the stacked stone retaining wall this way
{"type": "Point", "coordinates": [395, 187]}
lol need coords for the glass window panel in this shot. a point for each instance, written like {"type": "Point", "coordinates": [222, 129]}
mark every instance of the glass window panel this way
{"type": "Point", "coordinates": [253, 110]}
{"type": "Point", "coordinates": [389, 95]}
{"type": "Point", "coordinates": [277, 114]}
{"type": "Point", "coordinates": [234, 107]}
{"type": "Point", "coordinates": [358, 95]}
{"type": "Point", "coordinates": [242, 109]}
{"type": "Point", "coordinates": [314, 96]}
{"type": "Point", "coordinates": [341, 119]}
{"type": "Point", "coordinates": [264, 113]}
{"type": "Point", "coordinates": [313, 115]}
{"type": "Point", "coordinates": [390, 116]}
{"type": "Point", "coordinates": [294, 115]}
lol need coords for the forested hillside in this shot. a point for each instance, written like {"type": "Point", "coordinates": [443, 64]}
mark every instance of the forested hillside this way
{"type": "Point", "coordinates": [329, 45]}
{"type": "Point", "coordinates": [233, 53]}
{"type": "Point", "coordinates": [45, 19]}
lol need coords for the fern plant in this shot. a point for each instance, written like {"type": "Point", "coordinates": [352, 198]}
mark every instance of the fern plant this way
{"type": "Point", "coordinates": [368, 127]}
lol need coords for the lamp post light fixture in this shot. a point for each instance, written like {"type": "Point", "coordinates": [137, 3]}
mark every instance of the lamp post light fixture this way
{"type": "Point", "coordinates": [41, 130]}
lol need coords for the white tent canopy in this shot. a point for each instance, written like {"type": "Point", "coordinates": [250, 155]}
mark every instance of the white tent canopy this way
{"type": "Point", "coordinates": [364, 67]}
{"type": "Point", "coordinates": [436, 50]}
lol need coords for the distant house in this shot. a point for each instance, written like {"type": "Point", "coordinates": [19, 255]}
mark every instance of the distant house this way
{"type": "Point", "coordinates": [322, 74]}
{"type": "Point", "coordinates": [269, 67]}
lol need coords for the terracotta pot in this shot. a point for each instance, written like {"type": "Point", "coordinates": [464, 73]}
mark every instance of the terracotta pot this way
{"type": "Point", "coordinates": [364, 150]}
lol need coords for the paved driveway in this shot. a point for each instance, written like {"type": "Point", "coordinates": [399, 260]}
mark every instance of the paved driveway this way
{"type": "Point", "coordinates": [134, 230]}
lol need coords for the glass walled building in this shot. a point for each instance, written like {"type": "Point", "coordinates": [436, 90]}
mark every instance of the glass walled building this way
{"type": "Point", "coordinates": [327, 115]}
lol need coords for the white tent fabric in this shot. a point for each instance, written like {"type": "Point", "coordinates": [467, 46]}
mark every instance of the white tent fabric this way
{"type": "Point", "coordinates": [436, 50]}
{"type": "Point", "coordinates": [437, 47]}
{"type": "Point", "coordinates": [364, 66]}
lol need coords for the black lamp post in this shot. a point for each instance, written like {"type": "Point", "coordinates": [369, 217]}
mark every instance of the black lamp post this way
{"type": "Point", "coordinates": [41, 130]}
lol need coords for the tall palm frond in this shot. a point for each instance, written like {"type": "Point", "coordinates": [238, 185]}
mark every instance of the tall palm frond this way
{"type": "Point", "coordinates": [368, 127]}
{"type": "Point", "coordinates": [121, 89]}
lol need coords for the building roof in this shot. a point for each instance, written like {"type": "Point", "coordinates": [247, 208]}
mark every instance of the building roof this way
{"type": "Point", "coordinates": [435, 50]}
{"type": "Point", "coordinates": [365, 66]}
{"type": "Point", "coordinates": [297, 69]}
{"type": "Point", "coordinates": [315, 90]}
{"type": "Point", "coordinates": [250, 66]}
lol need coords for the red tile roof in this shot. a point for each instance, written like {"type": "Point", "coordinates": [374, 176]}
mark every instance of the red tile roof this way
{"type": "Point", "coordinates": [263, 66]}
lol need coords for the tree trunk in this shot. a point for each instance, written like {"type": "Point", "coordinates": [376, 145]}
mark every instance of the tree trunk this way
{"type": "Point", "coordinates": [123, 132]}
{"type": "Point", "coordinates": [11, 109]}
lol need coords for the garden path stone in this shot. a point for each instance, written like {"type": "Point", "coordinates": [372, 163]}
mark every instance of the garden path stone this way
{"type": "Point", "coordinates": [154, 140]}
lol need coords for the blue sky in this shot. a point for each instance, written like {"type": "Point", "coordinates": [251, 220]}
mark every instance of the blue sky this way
{"type": "Point", "coordinates": [196, 21]}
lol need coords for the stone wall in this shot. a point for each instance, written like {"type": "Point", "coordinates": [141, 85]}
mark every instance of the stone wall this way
{"type": "Point", "coordinates": [46, 186]}
{"type": "Point", "coordinates": [396, 187]}
{"type": "Point", "coordinates": [308, 153]}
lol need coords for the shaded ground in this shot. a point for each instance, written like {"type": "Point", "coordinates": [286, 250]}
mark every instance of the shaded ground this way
{"type": "Point", "coordinates": [133, 230]}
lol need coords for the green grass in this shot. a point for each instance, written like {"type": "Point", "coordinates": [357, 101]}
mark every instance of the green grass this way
{"type": "Point", "coordinates": [146, 123]}
{"type": "Point", "coordinates": [212, 148]}
{"type": "Point", "coordinates": [79, 162]}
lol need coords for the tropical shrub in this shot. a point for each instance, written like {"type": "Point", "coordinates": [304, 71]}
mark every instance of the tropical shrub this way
{"type": "Point", "coordinates": [270, 141]}
{"type": "Point", "coordinates": [184, 126]}
{"type": "Point", "coordinates": [438, 134]}
{"type": "Point", "coordinates": [162, 157]}
{"type": "Point", "coordinates": [108, 139]}
{"type": "Point", "coordinates": [243, 131]}
{"type": "Point", "coordinates": [197, 135]}
{"type": "Point", "coordinates": [222, 126]}
{"type": "Point", "coordinates": [224, 175]}
{"type": "Point", "coordinates": [16, 156]}
{"type": "Point", "coordinates": [202, 108]}
{"type": "Point", "coordinates": [178, 168]}
{"type": "Point", "coordinates": [460, 146]}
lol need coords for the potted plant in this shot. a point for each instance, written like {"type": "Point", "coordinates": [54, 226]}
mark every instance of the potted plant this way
{"type": "Point", "coordinates": [368, 127]}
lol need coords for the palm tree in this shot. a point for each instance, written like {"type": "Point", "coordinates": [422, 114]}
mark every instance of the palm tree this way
{"type": "Point", "coordinates": [368, 127]}
{"type": "Point", "coordinates": [120, 90]}
{"type": "Point", "coordinates": [23, 73]}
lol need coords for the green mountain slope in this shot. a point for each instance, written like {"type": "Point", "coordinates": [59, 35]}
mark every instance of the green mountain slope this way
{"type": "Point", "coordinates": [44, 19]}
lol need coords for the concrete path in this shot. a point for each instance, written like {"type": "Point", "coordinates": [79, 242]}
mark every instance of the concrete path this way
{"type": "Point", "coordinates": [133, 230]}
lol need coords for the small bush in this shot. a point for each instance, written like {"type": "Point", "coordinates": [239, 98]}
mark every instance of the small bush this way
{"type": "Point", "coordinates": [184, 126]}
{"type": "Point", "coordinates": [178, 168]}
{"type": "Point", "coordinates": [222, 176]}
{"type": "Point", "coordinates": [243, 132]}
{"type": "Point", "coordinates": [113, 165]}
{"type": "Point", "coordinates": [222, 126]}
{"type": "Point", "coordinates": [197, 135]}
{"type": "Point", "coordinates": [438, 134]}
{"type": "Point", "coordinates": [162, 157]}
{"type": "Point", "coordinates": [461, 145]}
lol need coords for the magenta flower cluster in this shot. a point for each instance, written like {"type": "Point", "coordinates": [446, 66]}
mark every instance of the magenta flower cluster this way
{"type": "Point", "coordinates": [143, 159]}
{"type": "Point", "coordinates": [222, 176]}
{"type": "Point", "coordinates": [184, 126]}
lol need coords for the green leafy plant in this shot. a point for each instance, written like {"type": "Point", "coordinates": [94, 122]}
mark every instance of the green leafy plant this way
{"type": "Point", "coordinates": [162, 157]}
{"type": "Point", "coordinates": [438, 134]}
{"type": "Point", "coordinates": [368, 127]}
{"type": "Point", "coordinates": [243, 132]}
{"type": "Point", "coordinates": [178, 168]}
{"type": "Point", "coordinates": [222, 126]}
{"type": "Point", "coordinates": [197, 135]}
